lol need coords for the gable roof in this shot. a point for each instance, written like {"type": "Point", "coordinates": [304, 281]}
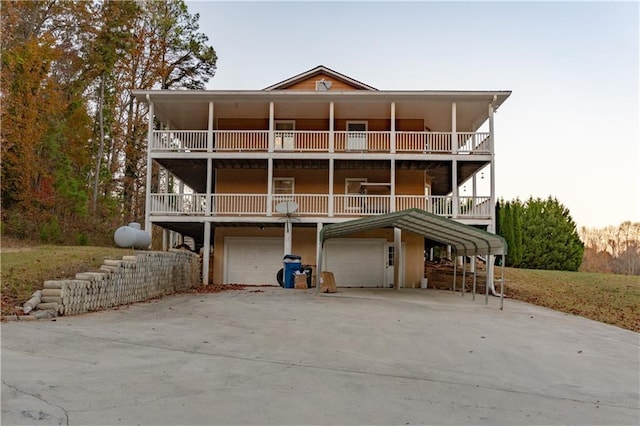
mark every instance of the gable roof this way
{"type": "Point", "coordinates": [320, 70]}
{"type": "Point", "coordinates": [464, 239]}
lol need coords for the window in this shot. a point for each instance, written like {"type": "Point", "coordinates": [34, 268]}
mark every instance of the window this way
{"type": "Point", "coordinates": [284, 134]}
{"type": "Point", "coordinates": [354, 193]}
{"type": "Point", "coordinates": [357, 135]}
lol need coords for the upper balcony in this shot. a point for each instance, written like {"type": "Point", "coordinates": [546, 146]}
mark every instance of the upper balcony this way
{"type": "Point", "coordinates": [308, 141]}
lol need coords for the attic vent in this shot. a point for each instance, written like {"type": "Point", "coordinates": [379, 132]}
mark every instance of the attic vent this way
{"type": "Point", "coordinates": [323, 85]}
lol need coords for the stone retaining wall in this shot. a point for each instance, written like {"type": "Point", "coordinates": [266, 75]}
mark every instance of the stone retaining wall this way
{"type": "Point", "coordinates": [146, 275]}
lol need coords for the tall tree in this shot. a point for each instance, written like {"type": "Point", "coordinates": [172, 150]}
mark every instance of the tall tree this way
{"type": "Point", "coordinates": [541, 235]}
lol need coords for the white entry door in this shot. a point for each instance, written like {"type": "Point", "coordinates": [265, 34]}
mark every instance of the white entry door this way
{"type": "Point", "coordinates": [390, 265]}
{"type": "Point", "coordinates": [356, 262]}
{"type": "Point", "coordinates": [249, 260]}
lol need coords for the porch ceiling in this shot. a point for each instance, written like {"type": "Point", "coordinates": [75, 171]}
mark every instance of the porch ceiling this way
{"type": "Point", "coordinates": [193, 171]}
{"type": "Point", "coordinates": [189, 110]}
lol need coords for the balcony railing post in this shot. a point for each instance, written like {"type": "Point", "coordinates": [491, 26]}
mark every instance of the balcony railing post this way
{"type": "Point", "coordinates": [331, 207]}
{"type": "Point", "coordinates": [331, 129]}
{"type": "Point", "coordinates": [272, 137]}
{"type": "Point", "coordinates": [269, 205]}
{"type": "Point", "coordinates": [392, 146]}
{"type": "Point", "coordinates": [454, 130]}
{"type": "Point", "coordinates": [210, 129]}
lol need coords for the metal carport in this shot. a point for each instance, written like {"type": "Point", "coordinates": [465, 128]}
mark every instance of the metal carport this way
{"type": "Point", "coordinates": [464, 240]}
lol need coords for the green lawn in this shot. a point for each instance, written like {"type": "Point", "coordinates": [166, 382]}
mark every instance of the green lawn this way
{"type": "Point", "coordinates": [24, 269]}
{"type": "Point", "coordinates": [613, 299]}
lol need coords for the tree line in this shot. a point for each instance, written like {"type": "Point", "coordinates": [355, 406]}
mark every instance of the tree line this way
{"type": "Point", "coordinates": [73, 136]}
{"type": "Point", "coordinates": [541, 234]}
{"type": "Point", "coordinates": [613, 249]}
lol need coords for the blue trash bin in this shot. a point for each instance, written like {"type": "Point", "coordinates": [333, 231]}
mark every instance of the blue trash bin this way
{"type": "Point", "coordinates": [292, 264]}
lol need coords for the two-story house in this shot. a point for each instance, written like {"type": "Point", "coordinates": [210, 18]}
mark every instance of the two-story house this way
{"type": "Point", "coordinates": [252, 175]}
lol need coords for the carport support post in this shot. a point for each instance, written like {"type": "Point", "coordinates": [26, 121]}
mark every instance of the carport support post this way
{"type": "Point", "coordinates": [475, 259]}
{"type": "Point", "coordinates": [206, 253]}
{"type": "Point", "coordinates": [464, 272]}
{"type": "Point", "coordinates": [318, 256]}
{"type": "Point", "coordinates": [455, 261]}
{"type": "Point", "coordinates": [397, 245]}
{"type": "Point", "coordinates": [502, 285]}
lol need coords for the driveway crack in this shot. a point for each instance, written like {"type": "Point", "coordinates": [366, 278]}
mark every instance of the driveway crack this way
{"type": "Point", "coordinates": [36, 396]}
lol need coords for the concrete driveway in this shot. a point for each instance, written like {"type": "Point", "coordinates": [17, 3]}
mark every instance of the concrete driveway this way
{"type": "Point", "coordinates": [281, 356]}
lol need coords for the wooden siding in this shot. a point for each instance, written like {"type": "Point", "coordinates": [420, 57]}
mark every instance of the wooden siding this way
{"type": "Point", "coordinates": [243, 124]}
{"type": "Point", "coordinates": [310, 84]}
{"type": "Point", "coordinates": [340, 124]}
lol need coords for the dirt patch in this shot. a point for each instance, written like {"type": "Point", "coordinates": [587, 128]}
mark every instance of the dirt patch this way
{"type": "Point", "coordinates": [217, 288]}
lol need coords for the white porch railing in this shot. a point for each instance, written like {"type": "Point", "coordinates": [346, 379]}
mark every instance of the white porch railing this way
{"type": "Point", "coordinates": [302, 140]}
{"type": "Point", "coordinates": [361, 205]}
{"type": "Point", "coordinates": [179, 140]}
{"type": "Point", "coordinates": [477, 143]}
{"type": "Point", "coordinates": [362, 141]}
{"type": "Point", "coordinates": [425, 142]}
{"type": "Point", "coordinates": [436, 204]}
{"type": "Point", "coordinates": [475, 207]}
{"type": "Point", "coordinates": [179, 204]}
{"type": "Point", "coordinates": [241, 140]}
{"type": "Point", "coordinates": [317, 204]}
{"type": "Point", "coordinates": [239, 204]}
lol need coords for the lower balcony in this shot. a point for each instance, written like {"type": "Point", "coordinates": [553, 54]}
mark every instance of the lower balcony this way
{"type": "Point", "coordinates": [316, 205]}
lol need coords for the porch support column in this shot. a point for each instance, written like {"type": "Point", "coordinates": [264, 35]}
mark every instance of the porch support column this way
{"type": "Point", "coordinates": [206, 253]}
{"type": "Point", "coordinates": [474, 187]}
{"type": "Point", "coordinates": [455, 202]}
{"type": "Point", "coordinates": [208, 203]}
{"type": "Point", "coordinates": [181, 196]}
{"type": "Point", "coordinates": [269, 186]}
{"type": "Point", "coordinates": [210, 129]}
{"type": "Point", "coordinates": [288, 231]}
{"type": "Point", "coordinates": [147, 207]}
{"type": "Point", "coordinates": [393, 128]}
{"type": "Point", "coordinates": [492, 225]}
{"type": "Point", "coordinates": [330, 204]}
{"type": "Point", "coordinates": [331, 129]}
{"type": "Point", "coordinates": [397, 258]}
{"type": "Point", "coordinates": [318, 257]}
{"type": "Point", "coordinates": [165, 239]}
{"type": "Point", "coordinates": [454, 129]}
{"type": "Point", "coordinates": [392, 201]}
{"type": "Point", "coordinates": [271, 126]}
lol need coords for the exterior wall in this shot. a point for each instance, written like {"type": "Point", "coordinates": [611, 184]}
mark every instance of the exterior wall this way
{"type": "Point", "coordinates": [304, 244]}
{"type": "Point", "coordinates": [340, 124]}
{"type": "Point", "coordinates": [243, 123]}
{"type": "Point", "coordinates": [410, 182]}
{"type": "Point", "coordinates": [315, 181]}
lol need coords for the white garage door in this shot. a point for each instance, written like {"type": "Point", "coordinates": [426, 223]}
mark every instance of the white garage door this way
{"type": "Point", "coordinates": [356, 262]}
{"type": "Point", "coordinates": [252, 260]}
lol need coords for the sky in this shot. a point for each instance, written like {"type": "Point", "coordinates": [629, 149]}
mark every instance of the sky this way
{"type": "Point", "coordinates": [570, 129]}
